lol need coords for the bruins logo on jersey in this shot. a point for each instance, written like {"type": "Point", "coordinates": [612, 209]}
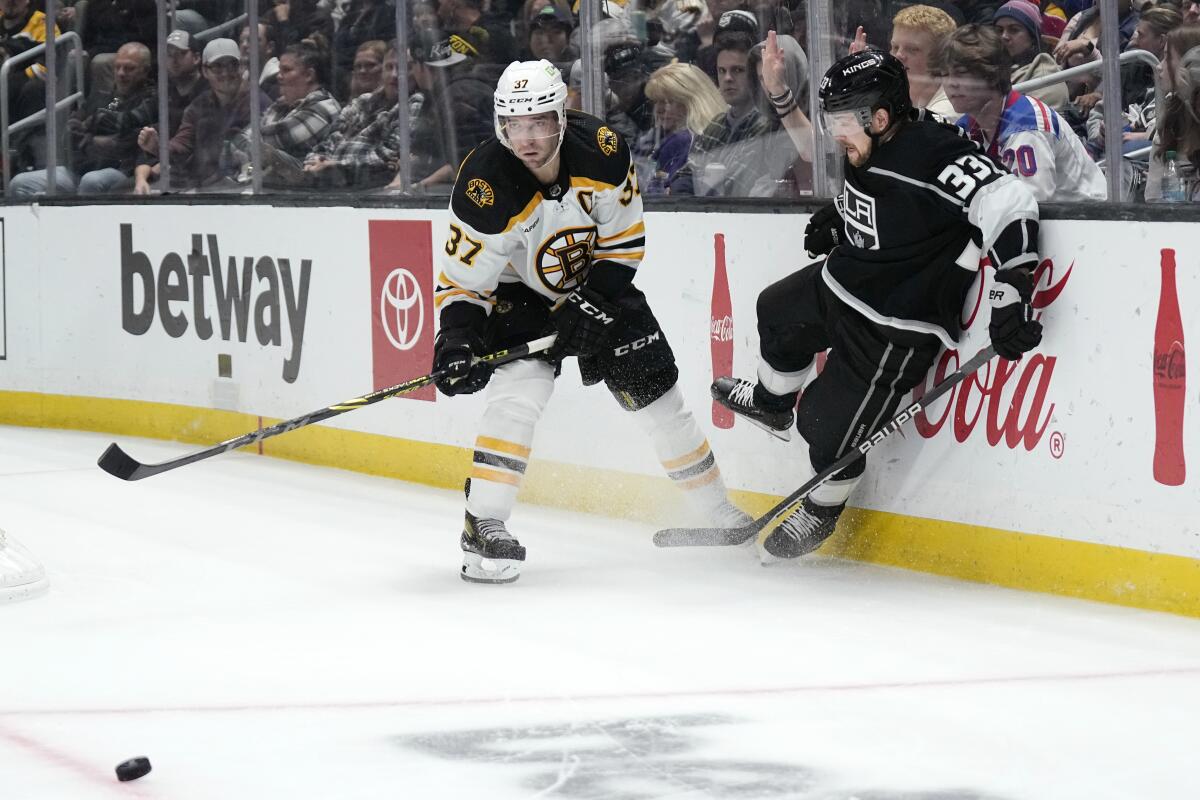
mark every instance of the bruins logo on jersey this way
{"type": "Point", "coordinates": [607, 140]}
{"type": "Point", "coordinates": [480, 192]}
{"type": "Point", "coordinates": [564, 258]}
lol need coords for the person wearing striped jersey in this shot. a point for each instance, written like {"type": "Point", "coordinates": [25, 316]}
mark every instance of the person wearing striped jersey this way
{"type": "Point", "coordinates": [1029, 137]}
{"type": "Point", "coordinates": [545, 234]}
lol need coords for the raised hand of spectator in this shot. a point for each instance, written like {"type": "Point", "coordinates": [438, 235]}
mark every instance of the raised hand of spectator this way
{"type": "Point", "coordinates": [774, 76]}
{"type": "Point", "coordinates": [860, 40]}
{"type": "Point", "coordinates": [148, 140]}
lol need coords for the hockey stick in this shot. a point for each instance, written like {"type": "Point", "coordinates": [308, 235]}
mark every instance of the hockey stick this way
{"type": "Point", "coordinates": [691, 537]}
{"type": "Point", "coordinates": [117, 463]}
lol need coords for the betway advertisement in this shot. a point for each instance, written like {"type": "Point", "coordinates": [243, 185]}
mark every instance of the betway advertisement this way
{"type": "Point", "coordinates": [280, 311]}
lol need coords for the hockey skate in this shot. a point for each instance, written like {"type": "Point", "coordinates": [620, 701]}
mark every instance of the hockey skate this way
{"type": "Point", "coordinates": [490, 553]}
{"type": "Point", "coordinates": [737, 394]}
{"type": "Point", "coordinates": [801, 532]}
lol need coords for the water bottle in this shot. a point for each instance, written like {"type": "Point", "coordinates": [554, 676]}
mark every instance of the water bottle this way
{"type": "Point", "coordinates": [1173, 190]}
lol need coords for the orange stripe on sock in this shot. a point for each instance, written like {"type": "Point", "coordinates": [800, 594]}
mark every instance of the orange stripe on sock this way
{"type": "Point", "coordinates": [701, 480]}
{"type": "Point", "coordinates": [496, 477]}
{"type": "Point", "coordinates": [501, 446]}
{"type": "Point", "coordinates": [691, 458]}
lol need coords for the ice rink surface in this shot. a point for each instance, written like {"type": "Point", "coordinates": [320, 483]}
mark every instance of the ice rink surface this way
{"type": "Point", "coordinates": [262, 629]}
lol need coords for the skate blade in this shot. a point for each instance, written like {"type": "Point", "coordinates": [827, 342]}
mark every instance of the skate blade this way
{"type": "Point", "coordinates": [783, 435]}
{"type": "Point", "coordinates": [477, 569]}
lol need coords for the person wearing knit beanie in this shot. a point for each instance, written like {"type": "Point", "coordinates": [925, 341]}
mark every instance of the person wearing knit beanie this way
{"type": "Point", "coordinates": [1019, 23]}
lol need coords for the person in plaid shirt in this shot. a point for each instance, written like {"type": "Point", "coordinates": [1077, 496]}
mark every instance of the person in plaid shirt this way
{"type": "Point", "coordinates": [363, 148]}
{"type": "Point", "coordinates": [299, 120]}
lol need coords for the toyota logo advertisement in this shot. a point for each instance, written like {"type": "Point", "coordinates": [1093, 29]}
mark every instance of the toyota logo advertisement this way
{"type": "Point", "coordinates": [401, 303]}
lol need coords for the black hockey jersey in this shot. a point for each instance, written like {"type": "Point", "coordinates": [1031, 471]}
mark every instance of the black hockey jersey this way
{"type": "Point", "coordinates": [506, 226]}
{"type": "Point", "coordinates": [917, 216]}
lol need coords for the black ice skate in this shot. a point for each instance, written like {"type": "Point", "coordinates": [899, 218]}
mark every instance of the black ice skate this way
{"type": "Point", "coordinates": [490, 553]}
{"type": "Point", "coordinates": [737, 395]}
{"type": "Point", "coordinates": [801, 532]}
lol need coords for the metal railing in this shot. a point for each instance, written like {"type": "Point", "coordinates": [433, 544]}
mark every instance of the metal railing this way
{"type": "Point", "coordinates": [20, 61]}
{"type": "Point", "coordinates": [1033, 84]}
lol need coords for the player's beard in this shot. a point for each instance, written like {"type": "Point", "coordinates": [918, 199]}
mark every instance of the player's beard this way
{"type": "Point", "coordinates": [857, 156]}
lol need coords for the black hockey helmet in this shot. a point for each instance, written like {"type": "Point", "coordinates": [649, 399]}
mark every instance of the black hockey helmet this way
{"type": "Point", "coordinates": [865, 81]}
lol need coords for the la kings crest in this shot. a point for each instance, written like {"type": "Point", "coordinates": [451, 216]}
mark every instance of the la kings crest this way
{"type": "Point", "coordinates": [858, 212]}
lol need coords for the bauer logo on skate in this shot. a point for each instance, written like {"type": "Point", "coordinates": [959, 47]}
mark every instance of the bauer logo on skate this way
{"type": "Point", "coordinates": [266, 290]}
{"type": "Point", "coordinates": [1012, 398]}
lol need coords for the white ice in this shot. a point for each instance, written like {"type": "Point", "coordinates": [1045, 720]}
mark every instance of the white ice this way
{"type": "Point", "coordinates": [262, 629]}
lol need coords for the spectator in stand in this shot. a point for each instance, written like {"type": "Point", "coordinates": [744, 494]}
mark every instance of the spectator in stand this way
{"type": "Point", "coordinates": [364, 20]}
{"type": "Point", "coordinates": [496, 47]}
{"type": "Point", "coordinates": [685, 101]}
{"type": "Point", "coordinates": [1137, 82]}
{"type": "Point", "coordinates": [531, 8]}
{"type": "Point", "coordinates": [201, 151]}
{"type": "Point", "coordinates": [727, 157]}
{"type": "Point", "coordinates": [424, 18]}
{"type": "Point", "coordinates": [1177, 129]}
{"type": "Point", "coordinates": [293, 21]}
{"type": "Point", "coordinates": [363, 149]}
{"type": "Point", "coordinates": [917, 34]}
{"type": "Point", "coordinates": [1191, 12]}
{"type": "Point", "coordinates": [268, 73]}
{"type": "Point", "coordinates": [632, 113]}
{"type": "Point", "coordinates": [23, 27]}
{"type": "Point", "coordinates": [782, 74]}
{"type": "Point", "coordinates": [110, 24]}
{"type": "Point", "coordinates": [1020, 25]}
{"type": "Point", "coordinates": [296, 123]}
{"type": "Point", "coordinates": [368, 68]}
{"type": "Point", "coordinates": [104, 137]}
{"type": "Point", "coordinates": [185, 83]}
{"type": "Point", "coordinates": [550, 38]}
{"type": "Point", "coordinates": [449, 73]}
{"type": "Point", "coordinates": [736, 21]}
{"type": "Point", "coordinates": [1026, 135]}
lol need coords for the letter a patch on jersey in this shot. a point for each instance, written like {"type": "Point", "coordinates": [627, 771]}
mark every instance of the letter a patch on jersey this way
{"type": "Point", "coordinates": [858, 210]}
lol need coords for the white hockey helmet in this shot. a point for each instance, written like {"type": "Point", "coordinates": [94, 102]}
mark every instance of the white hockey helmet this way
{"type": "Point", "coordinates": [530, 87]}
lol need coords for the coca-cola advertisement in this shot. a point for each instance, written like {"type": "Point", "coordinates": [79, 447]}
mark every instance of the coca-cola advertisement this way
{"type": "Point", "coordinates": [721, 329]}
{"type": "Point", "coordinates": [401, 303]}
{"type": "Point", "coordinates": [1009, 401]}
{"type": "Point", "coordinates": [1170, 379]}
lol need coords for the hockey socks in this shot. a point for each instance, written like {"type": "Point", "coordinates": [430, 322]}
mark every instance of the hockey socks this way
{"type": "Point", "coordinates": [687, 458]}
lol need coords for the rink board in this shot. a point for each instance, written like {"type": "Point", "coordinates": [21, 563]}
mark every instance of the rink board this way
{"type": "Point", "coordinates": [1039, 475]}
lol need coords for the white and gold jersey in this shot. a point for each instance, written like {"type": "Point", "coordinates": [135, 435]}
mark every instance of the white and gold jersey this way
{"type": "Point", "coordinates": [506, 226]}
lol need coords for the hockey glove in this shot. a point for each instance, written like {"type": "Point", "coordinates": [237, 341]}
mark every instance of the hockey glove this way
{"type": "Point", "coordinates": [583, 321]}
{"type": "Point", "coordinates": [823, 231]}
{"type": "Point", "coordinates": [453, 352]}
{"type": "Point", "coordinates": [1014, 330]}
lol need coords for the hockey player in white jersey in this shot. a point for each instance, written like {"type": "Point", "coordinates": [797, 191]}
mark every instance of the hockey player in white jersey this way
{"type": "Point", "coordinates": [1029, 137]}
{"type": "Point", "coordinates": [546, 233]}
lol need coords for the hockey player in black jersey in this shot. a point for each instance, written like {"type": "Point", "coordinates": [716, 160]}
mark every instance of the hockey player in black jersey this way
{"type": "Point", "coordinates": [545, 234]}
{"type": "Point", "coordinates": [919, 207]}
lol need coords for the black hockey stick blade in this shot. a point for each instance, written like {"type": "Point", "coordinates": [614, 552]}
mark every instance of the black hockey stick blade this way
{"type": "Point", "coordinates": [722, 537]}
{"type": "Point", "coordinates": [119, 464]}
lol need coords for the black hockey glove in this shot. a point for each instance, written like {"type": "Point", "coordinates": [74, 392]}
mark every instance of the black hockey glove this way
{"type": "Point", "coordinates": [453, 351]}
{"type": "Point", "coordinates": [1014, 330]}
{"type": "Point", "coordinates": [583, 321]}
{"type": "Point", "coordinates": [823, 231]}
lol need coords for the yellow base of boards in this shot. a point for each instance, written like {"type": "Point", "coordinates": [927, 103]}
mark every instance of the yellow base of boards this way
{"type": "Point", "coordinates": [1030, 562]}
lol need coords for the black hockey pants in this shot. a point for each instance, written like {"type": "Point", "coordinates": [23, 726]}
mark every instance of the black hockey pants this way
{"type": "Point", "coordinates": [869, 370]}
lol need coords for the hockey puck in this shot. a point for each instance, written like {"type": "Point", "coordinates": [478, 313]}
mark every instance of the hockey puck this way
{"type": "Point", "coordinates": [133, 769]}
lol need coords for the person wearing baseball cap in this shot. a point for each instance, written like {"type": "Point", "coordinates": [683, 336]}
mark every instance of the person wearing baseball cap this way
{"type": "Point", "coordinates": [184, 82]}
{"type": "Point", "coordinates": [209, 123]}
{"type": "Point", "coordinates": [550, 38]}
{"type": "Point", "coordinates": [1019, 23]}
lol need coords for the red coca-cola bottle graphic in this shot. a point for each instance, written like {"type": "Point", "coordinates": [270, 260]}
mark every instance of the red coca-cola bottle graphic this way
{"type": "Point", "coordinates": [721, 330]}
{"type": "Point", "coordinates": [1170, 386]}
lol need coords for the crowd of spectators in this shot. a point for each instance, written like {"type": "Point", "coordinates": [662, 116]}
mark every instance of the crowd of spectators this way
{"type": "Point", "coordinates": [712, 95]}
